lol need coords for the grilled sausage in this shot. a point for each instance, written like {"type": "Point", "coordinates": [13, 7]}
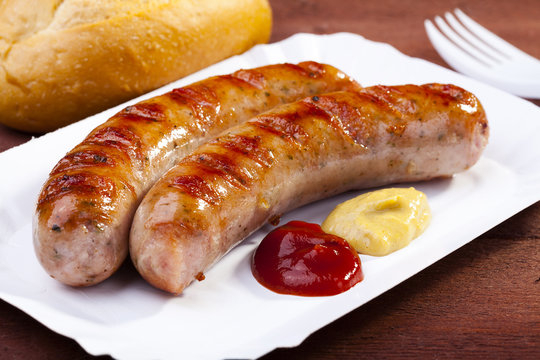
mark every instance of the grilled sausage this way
{"type": "Point", "coordinates": [293, 155]}
{"type": "Point", "coordinates": [85, 208]}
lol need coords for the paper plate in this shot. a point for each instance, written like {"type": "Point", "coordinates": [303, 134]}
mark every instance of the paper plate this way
{"type": "Point", "coordinates": [229, 315]}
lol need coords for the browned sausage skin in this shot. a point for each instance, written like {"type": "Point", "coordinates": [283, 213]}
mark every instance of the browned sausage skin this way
{"type": "Point", "coordinates": [85, 208]}
{"type": "Point", "coordinates": [295, 154]}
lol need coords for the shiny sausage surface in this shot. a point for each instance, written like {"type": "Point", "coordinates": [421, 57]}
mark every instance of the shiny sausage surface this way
{"type": "Point", "coordinates": [295, 154]}
{"type": "Point", "coordinates": [85, 208]}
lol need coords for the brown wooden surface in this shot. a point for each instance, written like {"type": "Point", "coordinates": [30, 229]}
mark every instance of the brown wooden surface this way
{"type": "Point", "coordinates": [481, 301]}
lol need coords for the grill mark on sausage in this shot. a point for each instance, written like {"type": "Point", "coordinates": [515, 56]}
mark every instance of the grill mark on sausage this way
{"type": "Point", "coordinates": [353, 121]}
{"type": "Point", "coordinates": [145, 111]}
{"type": "Point", "coordinates": [246, 146]}
{"type": "Point", "coordinates": [83, 183]}
{"type": "Point", "coordinates": [378, 97]}
{"type": "Point", "coordinates": [402, 100]}
{"type": "Point", "coordinates": [196, 187]}
{"type": "Point", "coordinates": [351, 114]}
{"type": "Point", "coordinates": [309, 68]}
{"type": "Point", "coordinates": [289, 125]}
{"type": "Point", "coordinates": [84, 159]}
{"type": "Point", "coordinates": [281, 125]}
{"type": "Point", "coordinates": [201, 99]}
{"type": "Point", "coordinates": [341, 116]}
{"type": "Point", "coordinates": [221, 165]}
{"type": "Point", "coordinates": [120, 142]}
{"type": "Point", "coordinates": [251, 77]}
{"type": "Point", "coordinates": [286, 125]}
{"type": "Point", "coordinates": [86, 185]}
{"type": "Point", "coordinates": [358, 121]}
{"type": "Point", "coordinates": [120, 138]}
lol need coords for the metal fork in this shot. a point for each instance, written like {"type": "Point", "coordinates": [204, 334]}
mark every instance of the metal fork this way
{"type": "Point", "coordinates": [475, 51]}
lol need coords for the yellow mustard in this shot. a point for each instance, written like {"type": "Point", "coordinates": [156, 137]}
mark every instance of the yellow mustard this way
{"type": "Point", "coordinates": [380, 222]}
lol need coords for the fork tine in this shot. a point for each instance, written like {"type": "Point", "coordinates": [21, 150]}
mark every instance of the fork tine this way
{"type": "Point", "coordinates": [453, 55]}
{"type": "Point", "coordinates": [488, 37]}
{"type": "Point", "coordinates": [518, 74]}
{"type": "Point", "coordinates": [458, 40]}
{"type": "Point", "coordinates": [473, 39]}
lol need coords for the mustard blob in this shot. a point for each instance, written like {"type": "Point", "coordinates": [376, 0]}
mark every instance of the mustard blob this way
{"type": "Point", "coordinates": [380, 222]}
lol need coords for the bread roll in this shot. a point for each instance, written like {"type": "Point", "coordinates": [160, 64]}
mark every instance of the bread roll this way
{"type": "Point", "coordinates": [65, 60]}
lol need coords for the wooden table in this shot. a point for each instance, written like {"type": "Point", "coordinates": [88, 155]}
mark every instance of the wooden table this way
{"type": "Point", "coordinates": [481, 301]}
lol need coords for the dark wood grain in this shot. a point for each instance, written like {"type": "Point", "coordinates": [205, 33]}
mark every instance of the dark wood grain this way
{"type": "Point", "coordinates": [482, 301]}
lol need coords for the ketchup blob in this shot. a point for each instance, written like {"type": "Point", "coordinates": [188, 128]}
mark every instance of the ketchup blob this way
{"type": "Point", "coordinates": [299, 258]}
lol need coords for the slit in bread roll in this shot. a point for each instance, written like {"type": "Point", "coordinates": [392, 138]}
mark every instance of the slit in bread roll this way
{"type": "Point", "coordinates": [65, 60]}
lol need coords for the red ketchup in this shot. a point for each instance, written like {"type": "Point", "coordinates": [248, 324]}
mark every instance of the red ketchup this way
{"type": "Point", "coordinates": [299, 258]}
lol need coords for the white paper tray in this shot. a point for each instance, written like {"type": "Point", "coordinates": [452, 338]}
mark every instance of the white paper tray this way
{"type": "Point", "coordinates": [229, 315]}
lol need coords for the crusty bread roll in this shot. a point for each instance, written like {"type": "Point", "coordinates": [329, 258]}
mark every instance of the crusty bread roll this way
{"type": "Point", "coordinates": [64, 60]}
